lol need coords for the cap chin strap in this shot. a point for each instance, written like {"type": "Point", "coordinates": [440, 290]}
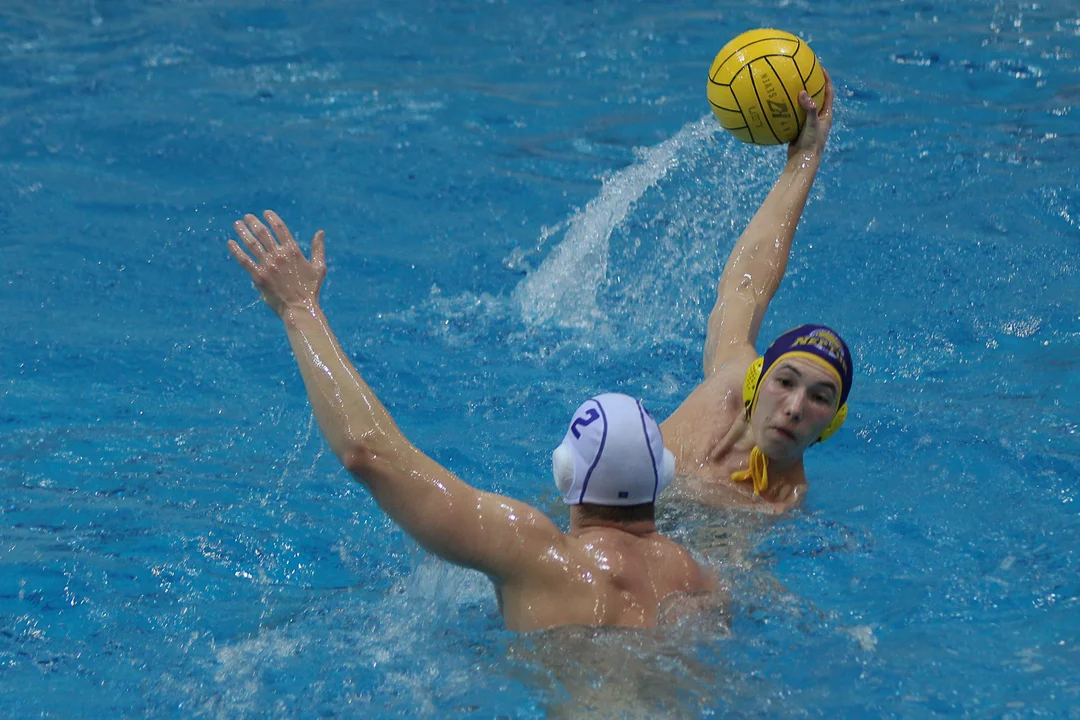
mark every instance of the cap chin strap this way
{"type": "Point", "coordinates": [758, 472]}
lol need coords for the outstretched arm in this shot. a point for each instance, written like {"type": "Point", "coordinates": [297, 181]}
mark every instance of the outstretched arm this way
{"type": "Point", "coordinates": [459, 523]}
{"type": "Point", "coordinates": [757, 263]}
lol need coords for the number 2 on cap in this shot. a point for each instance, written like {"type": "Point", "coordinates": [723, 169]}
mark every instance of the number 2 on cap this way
{"type": "Point", "coordinates": [590, 416]}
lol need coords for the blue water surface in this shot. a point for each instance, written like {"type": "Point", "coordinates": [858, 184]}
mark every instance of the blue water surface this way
{"type": "Point", "coordinates": [526, 203]}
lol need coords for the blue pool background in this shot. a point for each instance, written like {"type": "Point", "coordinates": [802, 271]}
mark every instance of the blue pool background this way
{"type": "Point", "coordinates": [177, 542]}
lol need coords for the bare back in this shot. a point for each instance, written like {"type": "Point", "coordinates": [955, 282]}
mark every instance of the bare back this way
{"type": "Point", "coordinates": [604, 576]}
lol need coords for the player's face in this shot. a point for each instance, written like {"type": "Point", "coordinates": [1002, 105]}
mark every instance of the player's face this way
{"type": "Point", "coordinates": [796, 402]}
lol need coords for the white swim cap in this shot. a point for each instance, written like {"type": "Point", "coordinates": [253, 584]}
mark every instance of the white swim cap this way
{"type": "Point", "coordinates": [613, 454]}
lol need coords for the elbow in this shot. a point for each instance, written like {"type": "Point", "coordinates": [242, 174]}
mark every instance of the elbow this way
{"type": "Point", "coordinates": [374, 458]}
{"type": "Point", "coordinates": [360, 460]}
{"type": "Point", "coordinates": [364, 453]}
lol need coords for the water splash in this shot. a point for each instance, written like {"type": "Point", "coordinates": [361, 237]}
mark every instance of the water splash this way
{"type": "Point", "coordinates": [563, 290]}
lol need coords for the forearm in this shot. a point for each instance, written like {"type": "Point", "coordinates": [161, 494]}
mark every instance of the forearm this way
{"type": "Point", "coordinates": [349, 414]}
{"type": "Point", "coordinates": [760, 257]}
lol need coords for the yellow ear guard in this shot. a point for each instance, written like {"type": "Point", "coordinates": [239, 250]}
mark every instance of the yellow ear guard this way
{"type": "Point", "coordinates": [750, 383]}
{"type": "Point", "coordinates": [837, 421]}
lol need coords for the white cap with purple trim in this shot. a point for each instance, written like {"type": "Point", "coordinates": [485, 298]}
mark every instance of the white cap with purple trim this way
{"type": "Point", "coordinates": [612, 454]}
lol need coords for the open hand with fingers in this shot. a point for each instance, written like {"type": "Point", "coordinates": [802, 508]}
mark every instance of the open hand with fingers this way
{"type": "Point", "coordinates": [279, 270]}
{"type": "Point", "coordinates": [818, 122]}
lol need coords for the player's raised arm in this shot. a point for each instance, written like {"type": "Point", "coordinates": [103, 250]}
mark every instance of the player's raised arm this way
{"type": "Point", "coordinates": [757, 264]}
{"type": "Point", "coordinates": [461, 524]}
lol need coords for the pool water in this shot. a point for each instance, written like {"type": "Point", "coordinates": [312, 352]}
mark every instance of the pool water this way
{"type": "Point", "coordinates": [526, 204]}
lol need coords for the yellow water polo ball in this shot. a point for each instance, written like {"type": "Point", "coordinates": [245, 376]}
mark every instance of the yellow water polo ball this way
{"type": "Point", "coordinates": [754, 85]}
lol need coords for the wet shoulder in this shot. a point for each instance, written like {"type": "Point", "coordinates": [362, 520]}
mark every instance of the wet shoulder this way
{"type": "Point", "coordinates": [620, 553]}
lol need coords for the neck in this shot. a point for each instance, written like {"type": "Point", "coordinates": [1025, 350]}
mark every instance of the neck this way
{"type": "Point", "coordinates": [584, 518]}
{"type": "Point", "coordinates": [783, 474]}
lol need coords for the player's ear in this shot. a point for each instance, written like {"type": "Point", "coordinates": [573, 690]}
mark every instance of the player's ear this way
{"type": "Point", "coordinates": [667, 470]}
{"type": "Point", "coordinates": [750, 384]}
{"type": "Point", "coordinates": [562, 467]}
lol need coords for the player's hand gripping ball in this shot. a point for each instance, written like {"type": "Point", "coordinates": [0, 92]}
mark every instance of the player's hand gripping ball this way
{"type": "Point", "coordinates": [754, 86]}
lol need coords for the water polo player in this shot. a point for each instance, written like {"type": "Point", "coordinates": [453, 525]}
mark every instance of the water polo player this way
{"type": "Point", "coordinates": [611, 568]}
{"type": "Point", "coordinates": [740, 435]}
